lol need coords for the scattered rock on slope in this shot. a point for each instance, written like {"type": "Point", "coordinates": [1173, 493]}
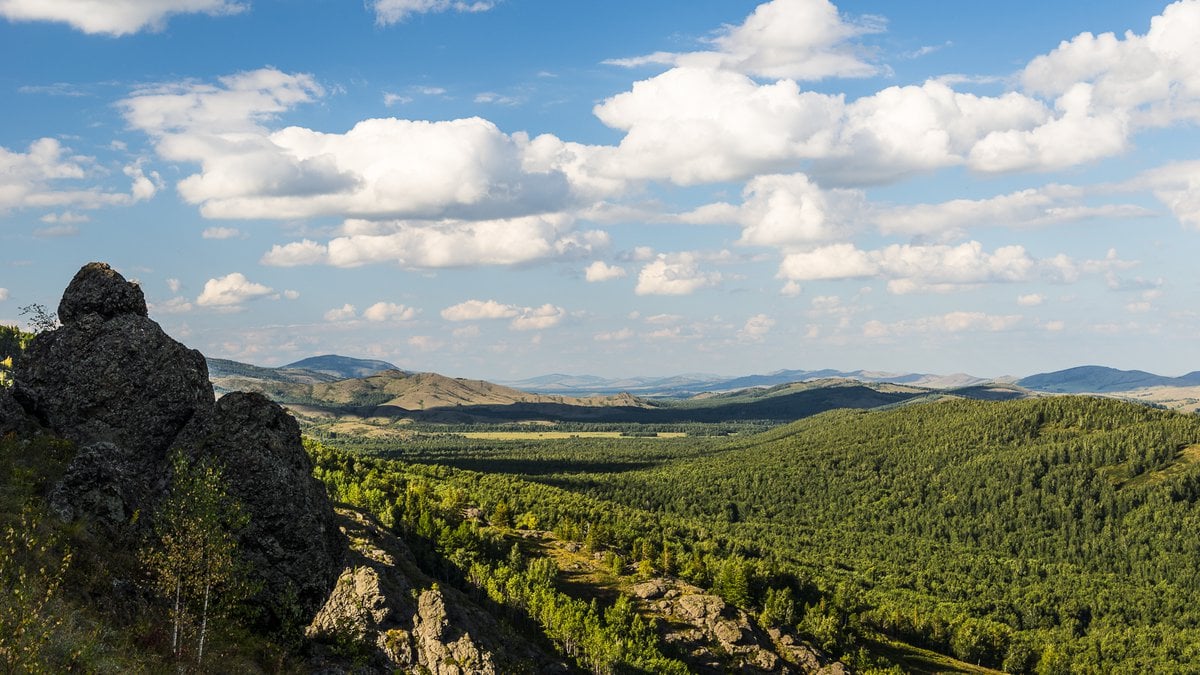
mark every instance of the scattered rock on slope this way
{"type": "Point", "coordinates": [377, 604]}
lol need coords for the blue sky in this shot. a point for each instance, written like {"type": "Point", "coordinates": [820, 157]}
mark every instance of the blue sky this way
{"type": "Point", "coordinates": [507, 188]}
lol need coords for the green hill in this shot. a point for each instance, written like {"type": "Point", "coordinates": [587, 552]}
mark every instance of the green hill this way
{"type": "Point", "coordinates": [1061, 529]}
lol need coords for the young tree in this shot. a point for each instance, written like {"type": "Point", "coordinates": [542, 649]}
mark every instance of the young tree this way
{"type": "Point", "coordinates": [194, 557]}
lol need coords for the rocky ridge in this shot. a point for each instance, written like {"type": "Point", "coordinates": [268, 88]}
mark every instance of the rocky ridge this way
{"type": "Point", "coordinates": [130, 396]}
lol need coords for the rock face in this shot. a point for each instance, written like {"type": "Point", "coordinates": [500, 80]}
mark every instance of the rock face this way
{"type": "Point", "coordinates": [291, 541]}
{"type": "Point", "coordinates": [378, 603]}
{"type": "Point", "coordinates": [112, 381]}
{"type": "Point", "coordinates": [110, 373]}
{"type": "Point", "coordinates": [714, 637]}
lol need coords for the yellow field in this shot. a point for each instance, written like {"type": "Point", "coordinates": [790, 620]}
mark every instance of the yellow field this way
{"type": "Point", "coordinates": [558, 435]}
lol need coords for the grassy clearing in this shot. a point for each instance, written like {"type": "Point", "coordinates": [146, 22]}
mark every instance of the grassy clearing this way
{"type": "Point", "coordinates": [558, 435]}
{"type": "Point", "coordinates": [1186, 457]}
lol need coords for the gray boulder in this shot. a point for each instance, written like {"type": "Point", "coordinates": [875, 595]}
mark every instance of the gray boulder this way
{"type": "Point", "coordinates": [291, 543]}
{"type": "Point", "coordinates": [111, 379]}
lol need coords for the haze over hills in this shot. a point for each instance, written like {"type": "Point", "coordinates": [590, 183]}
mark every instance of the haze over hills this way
{"type": "Point", "coordinates": [342, 367]}
{"type": "Point", "coordinates": [678, 386]}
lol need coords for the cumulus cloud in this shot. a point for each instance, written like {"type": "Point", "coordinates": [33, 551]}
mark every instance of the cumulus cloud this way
{"type": "Point", "coordinates": [46, 175]}
{"type": "Point", "coordinates": [756, 328]}
{"type": "Point", "coordinates": [346, 312]}
{"type": "Point", "coordinates": [425, 343]}
{"type": "Point", "coordinates": [304, 252]}
{"type": "Point", "coordinates": [388, 311]}
{"type": "Point", "coordinates": [448, 243]}
{"type": "Point", "coordinates": [474, 310]}
{"type": "Point", "coordinates": [953, 322]}
{"type": "Point", "coordinates": [539, 318]}
{"type": "Point", "coordinates": [614, 336]}
{"type": "Point", "coordinates": [780, 210]}
{"type": "Point", "coordinates": [1176, 185]}
{"type": "Point", "coordinates": [174, 285]}
{"type": "Point", "coordinates": [1048, 205]}
{"type": "Point", "coordinates": [113, 18]}
{"type": "Point", "coordinates": [221, 233]}
{"type": "Point", "coordinates": [66, 217]}
{"type": "Point", "coordinates": [796, 39]}
{"type": "Point", "coordinates": [380, 168]}
{"type": "Point", "coordinates": [523, 318]}
{"type": "Point", "coordinates": [3, 294]}
{"type": "Point", "coordinates": [455, 243]}
{"type": "Point", "coordinates": [388, 12]}
{"type": "Point", "coordinates": [176, 305]}
{"type": "Point", "coordinates": [230, 291]}
{"type": "Point", "coordinates": [601, 271]}
{"type": "Point", "coordinates": [674, 274]}
{"type": "Point", "coordinates": [1031, 299]}
{"type": "Point", "coordinates": [913, 268]}
{"type": "Point", "coordinates": [1155, 76]}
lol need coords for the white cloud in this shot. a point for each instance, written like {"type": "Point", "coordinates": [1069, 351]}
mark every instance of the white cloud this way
{"type": "Point", "coordinates": [346, 312]}
{"type": "Point", "coordinates": [47, 176]}
{"type": "Point", "coordinates": [791, 289]}
{"type": "Point", "coordinates": [953, 322]}
{"type": "Point", "coordinates": [388, 12]}
{"type": "Point", "coordinates": [174, 285]}
{"type": "Point", "coordinates": [1054, 326]}
{"type": "Point", "coordinates": [614, 336]}
{"type": "Point", "coordinates": [474, 310]}
{"type": "Point", "coordinates": [390, 99]}
{"type": "Point", "coordinates": [674, 274]}
{"type": "Point", "coordinates": [448, 243]}
{"type": "Point", "coordinates": [388, 311]}
{"type": "Point", "coordinates": [56, 231]}
{"type": "Point", "coordinates": [3, 294]}
{"type": "Point", "coordinates": [779, 210]}
{"type": "Point", "coordinates": [1048, 205]}
{"type": "Point", "coordinates": [1176, 185]}
{"type": "Point", "coordinates": [425, 343]}
{"type": "Point", "coordinates": [1031, 300]}
{"type": "Point", "coordinates": [176, 305]}
{"type": "Point", "coordinates": [539, 318]}
{"type": "Point", "coordinates": [1155, 77]}
{"type": "Point", "coordinates": [231, 290]}
{"type": "Point", "coordinates": [601, 271]}
{"type": "Point", "coordinates": [941, 268]}
{"type": "Point", "coordinates": [113, 18]}
{"type": "Point", "coordinates": [291, 294]}
{"type": "Point", "coordinates": [796, 39]}
{"type": "Point", "coordinates": [756, 328]}
{"type": "Point", "coordinates": [221, 233]}
{"type": "Point", "coordinates": [523, 318]}
{"type": "Point", "coordinates": [66, 217]}
{"type": "Point", "coordinates": [380, 168]}
{"type": "Point", "coordinates": [305, 252]}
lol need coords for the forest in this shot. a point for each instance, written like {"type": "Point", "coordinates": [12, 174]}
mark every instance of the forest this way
{"type": "Point", "coordinates": [1046, 535]}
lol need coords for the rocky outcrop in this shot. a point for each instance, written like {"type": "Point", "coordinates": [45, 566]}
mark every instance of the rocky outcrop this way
{"type": "Point", "coordinates": [291, 541]}
{"type": "Point", "coordinates": [112, 381]}
{"type": "Point", "coordinates": [714, 637]}
{"type": "Point", "coordinates": [111, 376]}
{"type": "Point", "coordinates": [12, 416]}
{"type": "Point", "coordinates": [385, 604]}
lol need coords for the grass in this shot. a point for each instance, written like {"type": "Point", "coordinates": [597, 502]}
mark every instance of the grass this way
{"type": "Point", "coordinates": [558, 435]}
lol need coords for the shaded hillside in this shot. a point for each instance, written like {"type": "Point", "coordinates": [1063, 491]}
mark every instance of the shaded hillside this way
{"type": "Point", "coordinates": [1102, 380]}
{"type": "Point", "coordinates": [988, 530]}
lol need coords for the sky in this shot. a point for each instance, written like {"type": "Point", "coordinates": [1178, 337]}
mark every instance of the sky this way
{"type": "Point", "coordinates": [506, 188]}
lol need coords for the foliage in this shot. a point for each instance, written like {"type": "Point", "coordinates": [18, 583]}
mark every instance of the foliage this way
{"type": "Point", "coordinates": [194, 555]}
{"type": "Point", "coordinates": [40, 319]}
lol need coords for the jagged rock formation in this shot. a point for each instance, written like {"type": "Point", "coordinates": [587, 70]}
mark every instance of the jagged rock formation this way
{"type": "Point", "coordinates": [112, 381]}
{"type": "Point", "coordinates": [437, 630]}
{"type": "Point", "coordinates": [110, 373]}
{"type": "Point", "coordinates": [714, 637]}
{"type": "Point", "coordinates": [291, 540]}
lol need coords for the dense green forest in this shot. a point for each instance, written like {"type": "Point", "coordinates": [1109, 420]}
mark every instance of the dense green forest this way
{"type": "Point", "coordinates": [1048, 535]}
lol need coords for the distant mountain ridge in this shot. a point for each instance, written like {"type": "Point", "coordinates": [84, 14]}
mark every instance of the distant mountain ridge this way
{"type": "Point", "coordinates": [342, 367]}
{"type": "Point", "coordinates": [681, 386]}
{"type": "Point", "coordinates": [1101, 380]}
